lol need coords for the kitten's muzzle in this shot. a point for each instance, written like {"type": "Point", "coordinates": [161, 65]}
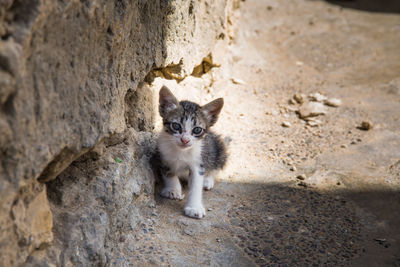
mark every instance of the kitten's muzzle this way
{"type": "Point", "coordinates": [185, 141]}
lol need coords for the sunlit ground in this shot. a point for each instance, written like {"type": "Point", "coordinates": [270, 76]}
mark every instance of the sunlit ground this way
{"type": "Point", "coordinates": [283, 48]}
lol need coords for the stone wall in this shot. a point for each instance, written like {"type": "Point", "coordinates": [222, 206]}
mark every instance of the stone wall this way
{"type": "Point", "coordinates": [71, 76]}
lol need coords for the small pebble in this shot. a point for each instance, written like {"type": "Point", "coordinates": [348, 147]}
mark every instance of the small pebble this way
{"type": "Point", "coordinates": [317, 97]}
{"type": "Point", "coordinates": [301, 177]}
{"type": "Point", "coordinates": [299, 98]}
{"type": "Point", "coordinates": [286, 124]}
{"type": "Point", "coordinates": [366, 125]}
{"type": "Point", "coordinates": [333, 102]}
{"type": "Point", "coordinates": [343, 146]}
{"type": "Point", "coordinates": [218, 240]}
{"type": "Point", "coordinates": [313, 122]}
{"type": "Point", "coordinates": [209, 209]}
{"type": "Point", "coordinates": [237, 81]}
{"type": "Point", "coordinates": [293, 168]}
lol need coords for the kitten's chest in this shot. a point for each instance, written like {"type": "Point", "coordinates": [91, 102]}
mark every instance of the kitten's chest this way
{"type": "Point", "coordinates": [179, 160]}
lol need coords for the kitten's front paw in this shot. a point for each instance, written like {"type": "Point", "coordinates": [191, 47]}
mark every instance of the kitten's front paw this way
{"type": "Point", "coordinates": [172, 193]}
{"type": "Point", "coordinates": [195, 211]}
{"type": "Point", "coordinates": [208, 183]}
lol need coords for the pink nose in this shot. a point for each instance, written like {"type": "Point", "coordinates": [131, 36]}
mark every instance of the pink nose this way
{"type": "Point", "coordinates": [184, 141]}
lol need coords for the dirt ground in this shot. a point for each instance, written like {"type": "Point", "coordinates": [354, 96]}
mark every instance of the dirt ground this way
{"type": "Point", "coordinates": [345, 209]}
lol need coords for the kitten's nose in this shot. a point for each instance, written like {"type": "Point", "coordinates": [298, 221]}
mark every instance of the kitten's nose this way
{"type": "Point", "coordinates": [184, 141]}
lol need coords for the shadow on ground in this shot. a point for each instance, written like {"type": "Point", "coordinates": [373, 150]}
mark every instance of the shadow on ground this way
{"type": "Point", "coordinates": [283, 224]}
{"type": "Point", "coordinates": [384, 6]}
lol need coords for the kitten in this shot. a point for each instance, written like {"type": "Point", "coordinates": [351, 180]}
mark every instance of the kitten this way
{"type": "Point", "coordinates": [188, 149]}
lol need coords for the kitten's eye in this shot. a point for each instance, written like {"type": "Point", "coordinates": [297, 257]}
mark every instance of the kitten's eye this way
{"type": "Point", "coordinates": [197, 130]}
{"type": "Point", "coordinates": [175, 126]}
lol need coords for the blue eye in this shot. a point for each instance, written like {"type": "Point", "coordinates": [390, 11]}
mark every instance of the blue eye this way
{"type": "Point", "coordinates": [197, 130]}
{"type": "Point", "coordinates": [175, 126]}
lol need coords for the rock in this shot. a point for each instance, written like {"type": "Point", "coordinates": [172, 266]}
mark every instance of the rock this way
{"type": "Point", "coordinates": [311, 121]}
{"type": "Point", "coordinates": [286, 124]}
{"type": "Point", "coordinates": [366, 125]}
{"type": "Point", "coordinates": [237, 81]}
{"type": "Point", "coordinates": [317, 97]}
{"type": "Point", "coordinates": [311, 109]}
{"type": "Point", "coordinates": [293, 168]}
{"type": "Point", "coordinates": [301, 177]}
{"type": "Point", "coordinates": [299, 98]}
{"type": "Point", "coordinates": [333, 102]}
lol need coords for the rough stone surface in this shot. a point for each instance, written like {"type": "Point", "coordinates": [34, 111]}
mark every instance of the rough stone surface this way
{"type": "Point", "coordinates": [32, 222]}
{"type": "Point", "coordinates": [69, 79]}
{"type": "Point", "coordinates": [96, 202]}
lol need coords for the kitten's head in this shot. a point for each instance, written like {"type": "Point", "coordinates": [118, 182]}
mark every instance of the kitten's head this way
{"type": "Point", "coordinates": [187, 122]}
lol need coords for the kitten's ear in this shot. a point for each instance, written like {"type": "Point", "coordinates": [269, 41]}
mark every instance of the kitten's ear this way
{"type": "Point", "coordinates": [167, 101]}
{"type": "Point", "coordinates": [212, 110]}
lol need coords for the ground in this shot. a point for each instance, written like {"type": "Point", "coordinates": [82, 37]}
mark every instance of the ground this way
{"type": "Point", "coordinates": [346, 209]}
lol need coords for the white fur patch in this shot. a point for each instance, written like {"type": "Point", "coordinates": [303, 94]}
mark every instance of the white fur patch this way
{"type": "Point", "coordinates": [176, 158]}
{"type": "Point", "coordinates": [208, 183]}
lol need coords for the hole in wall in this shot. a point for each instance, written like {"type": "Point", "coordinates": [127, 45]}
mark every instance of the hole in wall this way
{"type": "Point", "coordinates": [58, 164]}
